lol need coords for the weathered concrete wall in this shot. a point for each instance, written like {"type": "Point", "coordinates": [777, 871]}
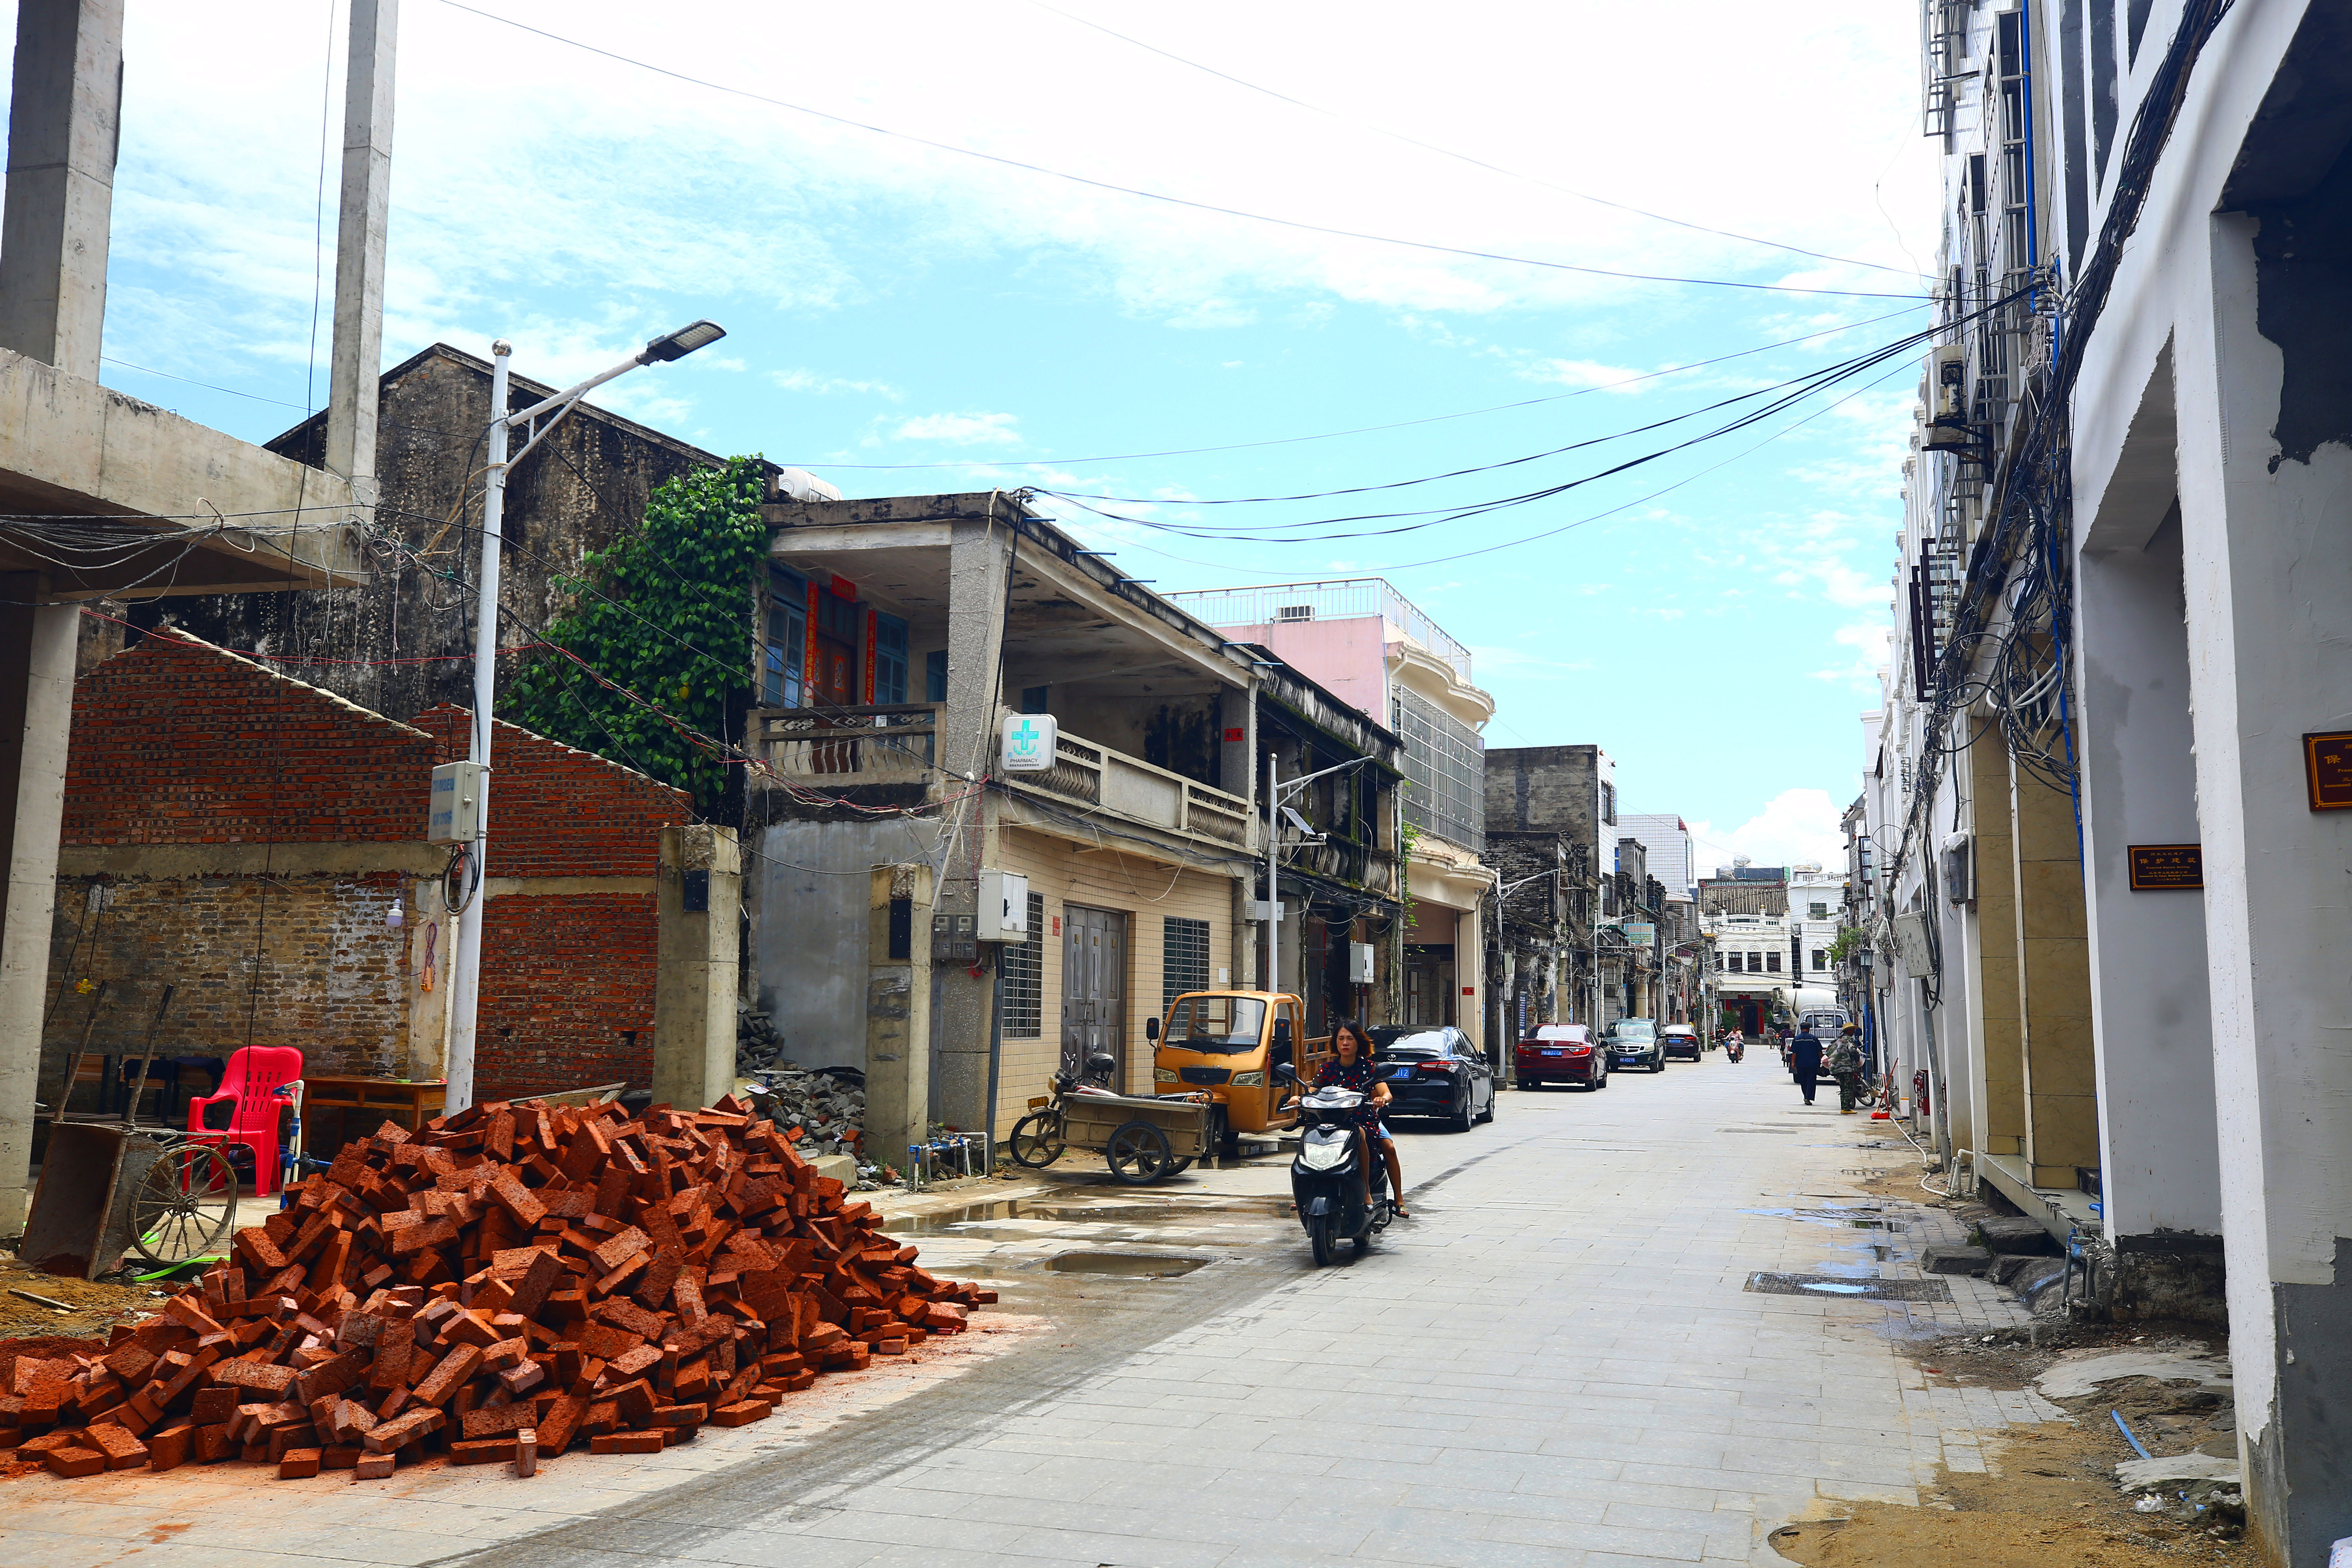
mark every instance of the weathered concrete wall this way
{"type": "Point", "coordinates": [585, 485]}
{"type": "Point", "coordinates": [808, 883]}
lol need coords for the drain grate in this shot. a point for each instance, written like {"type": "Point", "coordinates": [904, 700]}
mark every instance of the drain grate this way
{"type": "Point", "coordinates": [1831, 1287]}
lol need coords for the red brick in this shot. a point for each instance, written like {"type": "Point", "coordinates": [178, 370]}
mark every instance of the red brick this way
{"type": "Point", "coordinates": [625, 1443]}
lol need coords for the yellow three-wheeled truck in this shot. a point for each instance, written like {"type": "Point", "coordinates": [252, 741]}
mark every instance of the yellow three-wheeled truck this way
{"type": "Point", "coordinates": [1228, 1044]}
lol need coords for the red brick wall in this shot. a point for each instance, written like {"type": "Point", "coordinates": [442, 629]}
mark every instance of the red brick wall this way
{"type": "Point", "coordinates": [557, 811]}
{"type": "Point", "coordinates": [565, 977]}
{"type": "Point", "coordinates": [178, 742]}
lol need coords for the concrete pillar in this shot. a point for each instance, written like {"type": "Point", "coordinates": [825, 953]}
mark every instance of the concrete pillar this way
{"type": "Point", "coordinates": [979, 562]}
{"type": "Point", "coordinates": [1997, 1044]}
{"type": "Point", "coordinates": [897, 1011]}
{"type": "Point", "coordinates": [63, 131]}
{"type": "Point", "coordinates": [699, 901]}
{"type": "Point", "coordinates": [2151, 1014]}
{"type": "Point", "coordinates": [37, 675]}
{"type": "Point", "coordinates": [360, 244]}
{"type": "Point", "coordinates": [62, 119]}
{"type": "Point", "coordinates": [2267, 560]}
{"type": "Point", "coordinates": [2062, 1111]}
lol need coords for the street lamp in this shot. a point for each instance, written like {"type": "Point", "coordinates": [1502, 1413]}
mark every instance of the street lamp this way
{"type": "Point", "coordinates": [536, 422]}
{"type": "Point", "coordinates": [1275, 792]}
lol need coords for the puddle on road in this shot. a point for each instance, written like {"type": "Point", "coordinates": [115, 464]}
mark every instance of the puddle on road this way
{"type": "Point", "coordinates": [1123, 1264]}
{"type": "Point", "coordinates": [1853, 1218]}
{"type": "Point", "coordinates": [1048, 1209]}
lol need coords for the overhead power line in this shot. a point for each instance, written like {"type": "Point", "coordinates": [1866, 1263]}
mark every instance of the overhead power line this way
{"type": "Point", "coordinates": [1371, 430]}
{"type": "Point", "coordinates": [1467, 252]}
{"type": "Point", "coordinates": [1464, 157]}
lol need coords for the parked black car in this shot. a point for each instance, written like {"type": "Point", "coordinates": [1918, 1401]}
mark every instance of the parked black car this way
{"type": "Point", "coordinates": [1634, 1043]}
{"type": "Point", "coordinates": [1435, 1072]}
{"type": "Point", "coordinates": [1681, 1040]}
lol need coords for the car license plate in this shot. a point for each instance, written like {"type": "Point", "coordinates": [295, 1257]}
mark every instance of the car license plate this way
{"type": "Point", "coordinates": [1555, 1053]}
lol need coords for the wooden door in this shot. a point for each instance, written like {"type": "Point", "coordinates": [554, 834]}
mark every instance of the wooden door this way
{"type": "Point", "coordinates": [1094, 989]}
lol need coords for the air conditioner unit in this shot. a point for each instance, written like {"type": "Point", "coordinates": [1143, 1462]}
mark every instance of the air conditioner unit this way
{"type": "Point", "coordinates": [1294, 612]}
{"type": "Point", "coordinates": [1949, 368]}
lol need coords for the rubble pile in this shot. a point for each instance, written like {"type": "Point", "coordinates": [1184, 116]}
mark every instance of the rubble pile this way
{"type": "Point", "coordinates": [511, 1281]}
{"type": "Point", "coordinates": [829, 1112]}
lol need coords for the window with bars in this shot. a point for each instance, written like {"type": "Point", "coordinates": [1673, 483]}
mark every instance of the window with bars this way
{"type": "Point", "coordinates": [1444, 770]}
{"type": "Point", "coordinates": [1184, 958]}
{"type": "Point", "coordinates": [1024, 967]}
{"type": "Point", "coordinates": [1771, 963]}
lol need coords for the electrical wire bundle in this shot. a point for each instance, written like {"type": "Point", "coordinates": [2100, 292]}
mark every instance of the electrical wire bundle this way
{"type": "Point", "coordinates": [2018, 574]}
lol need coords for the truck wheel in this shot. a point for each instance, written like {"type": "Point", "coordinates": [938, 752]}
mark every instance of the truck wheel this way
{"type": "Point", "coordinates": [1138, 1153]}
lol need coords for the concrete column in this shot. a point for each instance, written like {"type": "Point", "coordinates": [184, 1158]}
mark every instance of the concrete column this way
{"type": "Point", "coordinates": [699, 899]}
{"type": "Point", "coordinates": [2267, 560]}
{"type": "Point", "coordinates": [37, 675]}
{"type": "Point", "coordinates": [979, 561]}
{"type": "Point", "coordinates": [1469, 945]}
{"type": "Point", "coordinates": [1998, 1112]}
{"type": "Point", "coordinates": [63, 131]}
{"type": "Point", "coordinates": [2062, 1111]}
{"type": "Point", "coordinates": [897, 1011]}
{"type": "Point", "coordinates": [360, 244]}
{"type": "Point", "coordinates": [2151, 1015]}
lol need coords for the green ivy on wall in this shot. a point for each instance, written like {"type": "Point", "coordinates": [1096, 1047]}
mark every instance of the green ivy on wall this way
{"type": "Point", "coordinates": [664, 613]}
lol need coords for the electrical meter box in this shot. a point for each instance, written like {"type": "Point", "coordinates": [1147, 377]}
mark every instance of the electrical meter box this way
{"type": "Point", "coordinates": [1003, 907]}
{"type": "Point", "coordinates": [454, 815]}
{"type": "Point", "coordinates": [1360, 963]}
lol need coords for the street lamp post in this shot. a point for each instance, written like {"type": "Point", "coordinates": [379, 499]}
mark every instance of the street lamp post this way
{"type": "Point", "coordinates": [536, 422]}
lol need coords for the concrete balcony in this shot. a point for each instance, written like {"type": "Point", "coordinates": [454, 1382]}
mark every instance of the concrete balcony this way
{"type": "Point", "coordinates": [834, 749]}
{"type": "Point", "coordinates": [891, 743]}
{"type": "Point", "coordinates": [1096, 775]}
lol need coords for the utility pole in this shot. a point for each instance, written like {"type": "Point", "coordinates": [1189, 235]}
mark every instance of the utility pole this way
{"type": "Point", "coordinates": [537, 422]}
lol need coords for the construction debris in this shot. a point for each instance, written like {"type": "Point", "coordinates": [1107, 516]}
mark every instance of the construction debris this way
{"type": "Point", "coordinates": [827, 1107]}
{"type": "Point", "coordinates": [512, 1281]}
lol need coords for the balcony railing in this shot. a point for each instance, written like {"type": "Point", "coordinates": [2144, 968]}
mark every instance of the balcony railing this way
{"type": "Point", "coordinates": [890, 743]}
{"type": "Point", "coordinates": [897, 743]}
{"type": "Point", "coordinates": [1099, 776]}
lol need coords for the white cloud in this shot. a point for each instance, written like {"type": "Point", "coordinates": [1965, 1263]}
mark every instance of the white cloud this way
{"type": "Point", "coordinates": [962, 430]}
{"type": "Point", "coordinates": [1796, 827]}
{"type": "Point", "coordinates": [827, 385]}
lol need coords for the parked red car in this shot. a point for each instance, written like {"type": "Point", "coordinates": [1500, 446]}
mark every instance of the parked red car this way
{"type": "Point", "coordinates": [1561, 1053]}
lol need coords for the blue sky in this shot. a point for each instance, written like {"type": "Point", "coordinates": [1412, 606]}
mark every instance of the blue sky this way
{"type": "Point", "coordinates": [892, 306]}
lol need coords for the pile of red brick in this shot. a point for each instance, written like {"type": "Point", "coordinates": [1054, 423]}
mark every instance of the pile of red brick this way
{"type": "Point", "coordinates": [508, 1281]}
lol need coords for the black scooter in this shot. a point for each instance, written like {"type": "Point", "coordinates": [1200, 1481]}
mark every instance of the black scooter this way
{"type": "Point", "coordinates": [1325, 1177]}
{"type": "Point", "coordinates": [1734, 1050]}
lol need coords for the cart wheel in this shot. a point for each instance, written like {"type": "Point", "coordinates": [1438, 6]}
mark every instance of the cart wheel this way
{"type": "Point", "coordinates": [1178, 1168]}
{"type": "Point", "coordinates": [1036, 1139]}
{"type": "Point", "coordinates": [1138, 1153]}
{"type": "Point", "coordinates": [185, 1205]}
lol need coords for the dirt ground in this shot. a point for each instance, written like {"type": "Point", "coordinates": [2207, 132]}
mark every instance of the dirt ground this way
{"type": "Point", "coordinates": [2052, 1498]}
{"type": "Point", "coordinates": [98, 1307]}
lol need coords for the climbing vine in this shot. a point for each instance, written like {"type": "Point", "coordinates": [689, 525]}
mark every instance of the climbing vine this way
{"type": "Point", "coordinates": [664, 616]}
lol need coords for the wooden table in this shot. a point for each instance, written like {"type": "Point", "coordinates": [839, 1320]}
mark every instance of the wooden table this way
{"type": "Point", "coordinates": [410, 1102]}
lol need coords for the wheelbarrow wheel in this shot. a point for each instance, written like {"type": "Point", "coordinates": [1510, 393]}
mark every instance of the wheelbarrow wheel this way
{"type": "Point", "coordinates": [1036, 1139]}
{"type": "Point", "coordinates": [185, 1206]}
{"type": "Point", "coordinates": [1139, 1152]}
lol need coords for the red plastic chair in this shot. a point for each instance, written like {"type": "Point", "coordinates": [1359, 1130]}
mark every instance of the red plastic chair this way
{"type": "Point", "coordinates": [255, 1075]}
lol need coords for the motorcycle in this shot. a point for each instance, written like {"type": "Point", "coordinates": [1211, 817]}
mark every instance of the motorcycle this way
{"type": "Point", "coordinates": [1734, 1050]}
{"type": "Point", "coordinates": [1325, 1177]}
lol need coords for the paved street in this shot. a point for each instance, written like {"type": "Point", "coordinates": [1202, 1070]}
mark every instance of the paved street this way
{"type": "Point", "coordinates": [1556, 1364]}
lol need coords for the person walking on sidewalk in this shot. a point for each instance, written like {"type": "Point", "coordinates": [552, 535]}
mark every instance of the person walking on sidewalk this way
{"type": "Point", "coordinates": [1844, 1062]}
{"type": "Point", "coordinates": [1805, 1060]}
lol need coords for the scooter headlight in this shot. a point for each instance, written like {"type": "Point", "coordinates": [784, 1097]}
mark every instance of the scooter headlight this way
{"type": "Point", "coordinates": [1326, 1155]}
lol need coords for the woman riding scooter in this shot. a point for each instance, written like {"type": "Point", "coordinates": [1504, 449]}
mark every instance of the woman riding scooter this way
{"type": "Point", "coordinates": [1736, 1046]}
{"type": "Point", "coordinates": [1351, 1067]}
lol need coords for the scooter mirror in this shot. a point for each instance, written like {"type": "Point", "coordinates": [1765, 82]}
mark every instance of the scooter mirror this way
{"type": "Point", "coordinates": [1284, 1073]}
